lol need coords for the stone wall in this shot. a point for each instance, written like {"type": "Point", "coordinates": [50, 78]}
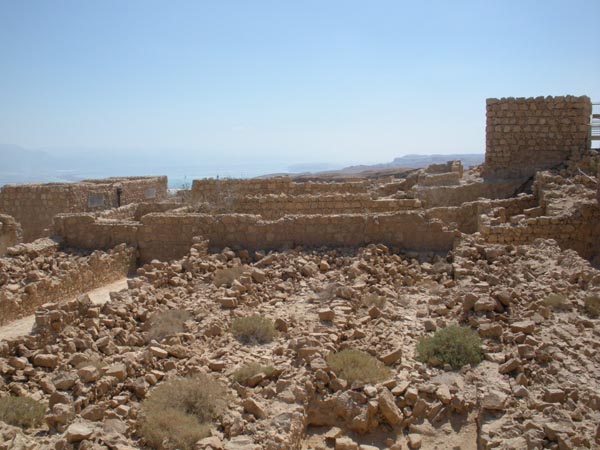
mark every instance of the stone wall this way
{"type": "Point", "coordinates": [576, 229]}
{"type": "Point", "coordinates": [277, 205]}
{"type": "Point", "coordinates": [34, 205]}
{"type": "Point", "coordinates": [10, 233]}
{"type": "Point", "coordinates": [38, 273]}
{"type": "Point", "coordinates": [169, 235]}
{"type": "Point", "coordinates": [436, 196]}
{"type": "Point", "coordinates": [466, 217]}
{"type": "Point", "coordinates": [528, 134]}
{"type": "Point", "coordinates": [220, 190]}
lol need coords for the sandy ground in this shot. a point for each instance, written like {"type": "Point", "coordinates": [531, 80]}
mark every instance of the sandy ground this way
{"type": "Point", "coordinates": [23, 326]}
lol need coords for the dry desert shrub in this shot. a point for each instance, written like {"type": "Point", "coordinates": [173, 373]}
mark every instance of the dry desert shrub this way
{"type": "Point", "coordinates": [226, 277]}
{"type": "Point", "coordinates": [247, 371]}
{"type": "Point", "coordinates": [166, 323]}
{"type": "Point", "coordinates": [373, 299]}
{"type": "Point", "coordinates": [592, 306]}
{"type": "Point", "coordinates": [253, 329]}
{"type": "Point", "coordinates": [21, 412]}
{"type": "Point", "coordinates": [180, 411]}
{"type": "Point", "coordinates": [355, 365]}
{"type": "Point", "coordinates": [557, 302]}
{"type": "Point", "coordinates": [453, 345]}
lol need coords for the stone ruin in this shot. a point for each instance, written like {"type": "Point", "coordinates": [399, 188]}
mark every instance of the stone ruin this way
{"type": "Point", "coordinates": [369, 263]}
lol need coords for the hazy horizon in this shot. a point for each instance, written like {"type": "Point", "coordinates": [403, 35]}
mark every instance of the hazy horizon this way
{"type": "Point", "coordinates": [340, 82]}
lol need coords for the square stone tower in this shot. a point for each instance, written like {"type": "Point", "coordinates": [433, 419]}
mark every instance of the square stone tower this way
{"type": "Point", "coordinates": [528, 134]}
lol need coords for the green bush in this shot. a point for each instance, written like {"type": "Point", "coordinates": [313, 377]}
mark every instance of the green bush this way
{"type": "Point", "coordinates": [253, 329]}
{"type": "Point", "coordinates": [451, 345]}
{"type": "Point", "coordinates": [181, 411]}
{"type": "Point", "coordinates": [21, 412]}
{"type": "Point", "coordinates": [247, 371]}
{"type": "Point", "coordinates": [166, 323]}
{"type": "Point", "coordinates": [355, 365]}
{"type": "Point", "coordinates": [592, 305]}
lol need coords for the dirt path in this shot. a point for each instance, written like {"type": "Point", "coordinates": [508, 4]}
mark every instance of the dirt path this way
{"type": "Point", "coordinates": [23, 326]}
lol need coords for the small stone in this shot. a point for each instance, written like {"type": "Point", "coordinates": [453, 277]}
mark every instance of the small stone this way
{"type": "Point", "coordinates": [88, 374]}
{"type": "Point", "coordinates": [251, 406]}
{"type": "Point", "coordinates": [158, 352]}
{"type": "Point", "coordinates": [345, 443]}
{"type": "Point", "coordinates": [494, 400]}
{"type": "Point", "coordinates": [44, 360]}
{"type": "Point", "coordinates": [392, 357]}
{"type": "Point", "coordinates": [555, 396]}
{"type": "Point", "coordinates": [509, 366]}
{"type": "Point", "coordinates": [79, 431]}
{"type": "Point", "coordinates": [326, 314]}
{"type": "Point", "coordinates": [415, 440]}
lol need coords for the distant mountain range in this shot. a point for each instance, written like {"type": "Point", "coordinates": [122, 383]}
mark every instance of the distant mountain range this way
{"type": "Point", "coordinates": [417, 161]}
{"type": "Point", "coordinates": [22, 165]}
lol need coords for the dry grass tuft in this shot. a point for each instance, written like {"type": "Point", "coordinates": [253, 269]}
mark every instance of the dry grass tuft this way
{"type": "Point", "coordinates": [355, 365]}
{"type": "Point", "coordinates": [557, 302]}
{"type": "Point", "coordinates": [21, 412]}
{"type": "Point", "coordinates": [253, 329]}
{"type": "Point", "coordinates": [166, 323]}
{"type": "Point", "coordinates": [453, 345]}
{"type": "Point", "coordinates": [180, 411]}
{"type": "Point", "coordinates": [247, 371]}
{"type": "Point", "coordinates": [373, 299]}
{"type": "Point", "coordinates": [226, 277]}
{"type": "Point", "coordinates": [592, 306]}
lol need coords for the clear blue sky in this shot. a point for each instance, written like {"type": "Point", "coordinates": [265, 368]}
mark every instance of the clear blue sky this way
{"type": "Point", "coordinates": [352, 81]}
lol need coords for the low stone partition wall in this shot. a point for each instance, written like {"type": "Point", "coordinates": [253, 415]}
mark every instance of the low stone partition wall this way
{"type": "Point", "coordinates": [432, 197]}
{"type": "Point", "coordinates": [10, 233]}
{"type": "Point", "coordinates": [466, 217]}
{"type": "Point", "coordinates": [87, 232]}
{"type": "Point", "coordinates": [577, 230]}
{"type": "Point", "coordinates": [169, 235]}
{"type": "Point", "coordinates": [38, 273]}
{"type": "Point", "coordinates": [276, 206]}
{"type": "Point", "coordinates": [217, 190]}
{"type": "Point", "coordinates": [135, 211]}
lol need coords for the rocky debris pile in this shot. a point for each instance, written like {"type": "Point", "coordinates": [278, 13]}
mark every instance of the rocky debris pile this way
{"type": "Point", "coordinates": [537, 387]}
{"type": "Point", "coordinates": [38, 272]}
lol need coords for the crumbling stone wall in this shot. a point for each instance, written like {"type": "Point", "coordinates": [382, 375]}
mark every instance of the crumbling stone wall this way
{"type": "Point", "coordinates": [169, 235]}
{"type": "Point", "coordinates": [466, 217]}
{"type": "Point", "coordinates": [34, 205]}
{"type": "Point", "coordinates": [277, 205]}
{"type": "Point", "coordinates": [37, 273]}
{"type": "Point", "coordinates": [10, 233]}
{"type": "Point", "coordinates": [220, 190]}
{"type": "Point", "coordinates": [575, 229]}
{"type": "Point", "coordinates": [528, 134]}
{"type": "Point", "coordinates": [435, 196]}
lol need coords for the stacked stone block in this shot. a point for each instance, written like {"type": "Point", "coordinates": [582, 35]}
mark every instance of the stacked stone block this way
{"type": "Point", "coordinates": [528, 134]}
